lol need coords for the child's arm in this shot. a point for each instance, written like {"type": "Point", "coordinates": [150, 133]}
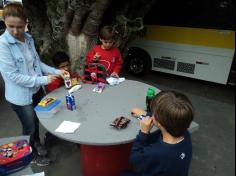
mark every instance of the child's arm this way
{"type": "Point", "coordinates": [54, 85]}
{"type": "Point", "coordinates": [118, 63]}
{"type": "Point", "coordinates": [92, 56]}
{"type": "Point", "coordinates": [142, 152]}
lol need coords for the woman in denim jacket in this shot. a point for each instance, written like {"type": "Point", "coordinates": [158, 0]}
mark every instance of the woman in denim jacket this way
{"type": "Point", "coordinates": [23, 72]}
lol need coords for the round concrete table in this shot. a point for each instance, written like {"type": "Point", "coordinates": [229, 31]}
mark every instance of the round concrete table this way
{"type": "Point", "coordinates": [104, 149]}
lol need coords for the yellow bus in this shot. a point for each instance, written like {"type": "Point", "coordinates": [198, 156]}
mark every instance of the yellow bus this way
{"type": "Point", "coordinates": [189, 38]}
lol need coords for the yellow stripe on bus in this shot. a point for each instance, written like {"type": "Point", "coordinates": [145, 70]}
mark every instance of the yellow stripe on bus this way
{"type": "Point", "coordinates": [193, 36]}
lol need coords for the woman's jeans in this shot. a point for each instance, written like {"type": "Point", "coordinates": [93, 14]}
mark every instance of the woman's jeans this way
{"type": "Point", "coordinates": [28, 117]}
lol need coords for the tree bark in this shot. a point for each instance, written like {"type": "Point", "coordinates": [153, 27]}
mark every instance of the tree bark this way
{"type": "Point", "coordinates": [73, 25]}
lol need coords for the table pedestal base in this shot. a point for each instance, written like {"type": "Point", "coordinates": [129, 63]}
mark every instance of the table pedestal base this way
{"type": "Point", "coordinates": [105, 160]}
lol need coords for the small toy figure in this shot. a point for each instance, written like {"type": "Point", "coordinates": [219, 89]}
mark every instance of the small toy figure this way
{"type": "Point", "coordinates": [67, 81]}
{"type": "Point", "coordinates": [99, 88]}
{"type": "Point", "coordinates": [74, 81]}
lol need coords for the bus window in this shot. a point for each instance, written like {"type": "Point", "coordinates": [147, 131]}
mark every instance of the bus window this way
{"type": "Point", "coordinates": [188, 38]}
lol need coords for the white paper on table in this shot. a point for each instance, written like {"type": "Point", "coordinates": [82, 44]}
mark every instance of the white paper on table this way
{"type": "Point", "coordinates": [114, 81]}
{"type": "Point", "coordinates": [36, 174]}
{"type": "Point", "coordinates": [67, 127]}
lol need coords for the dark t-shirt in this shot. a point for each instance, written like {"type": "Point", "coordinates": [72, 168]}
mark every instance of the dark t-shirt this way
{"type": "Point", "coordinates": [150, 156]}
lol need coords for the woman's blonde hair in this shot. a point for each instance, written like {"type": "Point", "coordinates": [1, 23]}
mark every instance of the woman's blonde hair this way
{"type": "Point", "coordinates": [14, 10]}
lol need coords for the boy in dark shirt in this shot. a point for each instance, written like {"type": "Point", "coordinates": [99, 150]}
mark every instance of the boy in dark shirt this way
{"type": "Point", "coordinates": [167, 151]}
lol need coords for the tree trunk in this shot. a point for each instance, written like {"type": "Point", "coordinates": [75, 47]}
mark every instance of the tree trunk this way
{"type": "Point", "coordinates": [72, 26]}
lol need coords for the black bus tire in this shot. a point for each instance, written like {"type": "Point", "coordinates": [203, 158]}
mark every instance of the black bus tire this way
{"type": "Point", "coordinates": [138, 61]}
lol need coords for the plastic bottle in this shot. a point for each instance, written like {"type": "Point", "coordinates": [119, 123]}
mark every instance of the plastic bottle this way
{"type": "Point", "coordinates": [149, 97]}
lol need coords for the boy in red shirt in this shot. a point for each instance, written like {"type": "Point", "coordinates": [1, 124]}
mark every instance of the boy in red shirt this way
{"type": "Point", "coordinates": [62, 61]}
{"type": "Point", "coordinates": [105, 53]}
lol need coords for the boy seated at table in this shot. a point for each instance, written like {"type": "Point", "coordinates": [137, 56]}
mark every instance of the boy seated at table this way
{"type": "Point", "coordinates": [166, 151]}
{"type": "Point", "coordinates": [62, 61]}
{"type": "Point", "coordinates": [106, 53]}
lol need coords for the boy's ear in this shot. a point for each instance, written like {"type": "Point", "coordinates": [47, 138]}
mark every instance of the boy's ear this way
{"type": "Point", "coordinates": [156, 122]}
{"type": "Point", "coordinates": [158, 125]}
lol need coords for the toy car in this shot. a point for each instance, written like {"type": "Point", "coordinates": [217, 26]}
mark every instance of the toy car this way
{"type": "Point", "coordinates": [47, 101]}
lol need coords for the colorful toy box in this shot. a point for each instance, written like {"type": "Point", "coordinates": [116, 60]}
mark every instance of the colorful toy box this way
{"type": "Point", "coordinates": [48, 110]}
{"type": "Point", "coordinates": [14, 156]}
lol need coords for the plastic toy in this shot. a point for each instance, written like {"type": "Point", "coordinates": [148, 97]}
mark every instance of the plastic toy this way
{"type": "Point", "coordinates": [47, 101]}
{"type": "Point", "coordinates": [99, 88]}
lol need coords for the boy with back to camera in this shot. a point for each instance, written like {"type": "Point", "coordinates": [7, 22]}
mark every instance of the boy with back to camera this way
{"type": "Point", "coordinates": [105, 53]}
{"type": "Point", "coordinates": [167, 151]}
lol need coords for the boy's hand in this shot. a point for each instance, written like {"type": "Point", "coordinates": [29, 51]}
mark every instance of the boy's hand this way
{"type": "Point", "coordinates": [146, 125]}
{"type": "Point", "coordinates": [96, 57]}
{"type": "Point", "coordinates": [115, 75]}
{"type": "Point", "coordinates": [136, 112]}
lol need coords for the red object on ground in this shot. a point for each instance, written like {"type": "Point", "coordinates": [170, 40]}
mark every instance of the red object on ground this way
{"type": "Point", "coordinates": [105, 160]}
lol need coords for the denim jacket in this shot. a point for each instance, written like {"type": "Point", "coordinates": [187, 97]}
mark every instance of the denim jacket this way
{"type": "Point", "coordinates": [19, 84]}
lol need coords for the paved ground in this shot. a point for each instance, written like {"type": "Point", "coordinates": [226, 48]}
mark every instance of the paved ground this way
{"type": "Point", "coordinates": [213, 143]}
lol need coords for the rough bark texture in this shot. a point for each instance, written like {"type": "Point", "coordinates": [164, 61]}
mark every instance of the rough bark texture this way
{"type": "Point", "coordinates": [73, 25]}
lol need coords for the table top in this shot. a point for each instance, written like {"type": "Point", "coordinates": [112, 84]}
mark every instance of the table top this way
{"type": "Point", "coordinates": [96, 111]}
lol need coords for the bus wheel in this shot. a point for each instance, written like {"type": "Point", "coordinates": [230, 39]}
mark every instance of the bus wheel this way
{"type": "Point", "coordinates": [138, 62]}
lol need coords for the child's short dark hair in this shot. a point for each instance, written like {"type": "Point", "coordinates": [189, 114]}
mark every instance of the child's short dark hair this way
{"type": "Point", "coordinates": [60, 57]}
{"type": "Point", "coordinates": [107, 33]}
{"type": "Point", "coordinates": [173, 111]}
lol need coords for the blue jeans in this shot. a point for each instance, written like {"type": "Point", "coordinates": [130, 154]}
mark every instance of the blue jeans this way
{"type": "Point", "coordinates": [28, 117]}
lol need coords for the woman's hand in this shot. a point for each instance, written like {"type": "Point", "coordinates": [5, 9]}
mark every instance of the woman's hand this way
{"type": "Point", "coordinates": [51, 78]}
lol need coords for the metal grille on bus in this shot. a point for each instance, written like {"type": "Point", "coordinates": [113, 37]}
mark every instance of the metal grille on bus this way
{"type": "Point", "coordinates": [162, 63]}
{"type": "Point", "coordinates": [185, 67]}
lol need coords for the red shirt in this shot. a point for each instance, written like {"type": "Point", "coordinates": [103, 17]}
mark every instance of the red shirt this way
{"type": "Point", "coordinates": [111, 58]}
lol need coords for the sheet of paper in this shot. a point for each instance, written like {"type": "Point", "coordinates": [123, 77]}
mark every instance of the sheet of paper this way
{"type": "Point", "coordinates": [67, 127]}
